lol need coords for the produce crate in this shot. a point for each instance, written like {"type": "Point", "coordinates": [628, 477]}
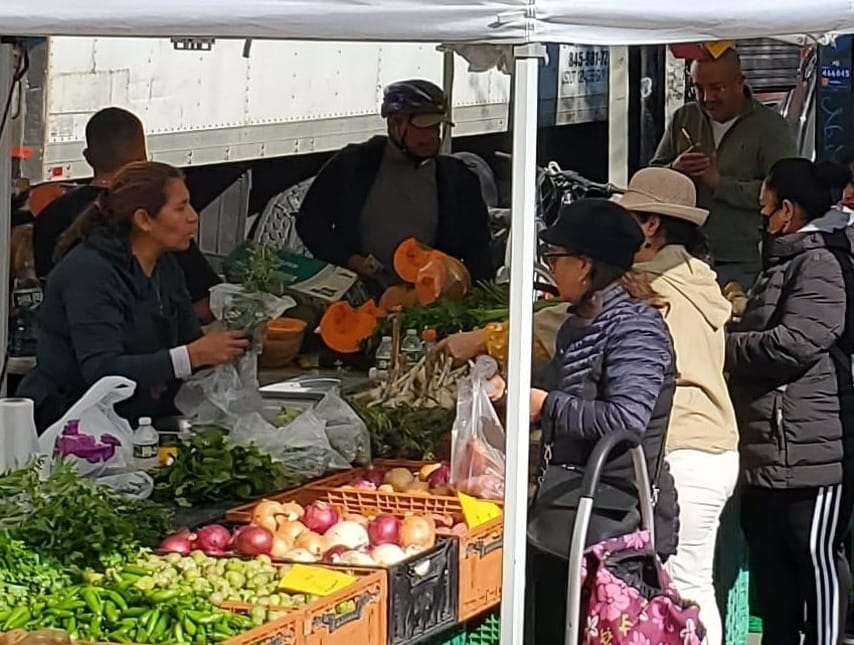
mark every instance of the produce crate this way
{"type": "Point", "coordinates": [286, 630]}
{"type": "Point", "coordinates": [363, 620]}
{"type": "Point", "coordinates": [423, 594]}
{"type": "Point", "coordinates": [480, 556]}
{"type": "Point", "coordinates": [370, 502]}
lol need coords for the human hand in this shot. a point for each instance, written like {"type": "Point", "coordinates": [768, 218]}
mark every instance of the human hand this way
{"type": "Point", "coordinates": [364, 267]}
{"type": "Point", "coordinates": [691, 163]}
{"type": "Point", "coordinates": [464, 345]}
{"type": "Point", "coordinates": [497, 388]}
{"type": "Point", "coordinates": [737, 297]}
{"type": "Point", "coordinates": [217, 348]}
{"type": "Point", "coordinates": [538, 399]}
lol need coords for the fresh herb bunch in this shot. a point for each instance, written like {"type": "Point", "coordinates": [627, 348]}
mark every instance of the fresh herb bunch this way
{"type": "Point", "coordinates": [486, 303]}
{"type": "Point", "coordinates": [73, 519]}
{"type": "Point", "coordinates": [209, 469]}
{"type": "Point", "coordinates": [262, 272]}
{"type": "Point", "coordinates": [405, 433]}
{"type": "Point", "coordinates": [23, 572]}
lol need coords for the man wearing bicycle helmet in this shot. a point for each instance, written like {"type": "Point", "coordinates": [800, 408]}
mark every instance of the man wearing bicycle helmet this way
{"type": "Point", "coordinates": [371, 196]}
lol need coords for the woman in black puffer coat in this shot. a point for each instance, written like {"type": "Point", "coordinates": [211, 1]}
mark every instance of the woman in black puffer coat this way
{"type": "Point", "coordinates": [790, 364]}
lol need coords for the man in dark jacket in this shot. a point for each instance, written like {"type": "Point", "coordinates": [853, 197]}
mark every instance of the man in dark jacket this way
{"type": "Point", "coordinates": [790, 361]}
{"type": "Point", "coordinates": [371, 196]}
{"type": "Point", "coordinates": [114, 138]}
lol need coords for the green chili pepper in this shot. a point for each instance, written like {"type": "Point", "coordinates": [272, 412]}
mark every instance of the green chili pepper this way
{"type": "Point", "coordinates": [90, 596]}
{"type": "Point", "coordinates": [17, 619]}
{"type": "Point", "coordinates": [117, 598]}
{"type": "Point", "coordinates": [111, 612]}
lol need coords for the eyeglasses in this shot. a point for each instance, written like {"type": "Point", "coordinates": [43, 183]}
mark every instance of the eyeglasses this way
{"type": "Point", "coordinates": [551, 258]}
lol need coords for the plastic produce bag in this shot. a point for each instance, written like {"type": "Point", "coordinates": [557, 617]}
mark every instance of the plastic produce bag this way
{"type": "Point", "coordinates": [347, 433]}
{"type": "Point", "coordinates": [213, 395]}
{"type": "Point", "coordinates": [477, 448]}
{"type": "Point", "coordinates": [92, 434]}
{"type": "Point", "coordinates": [136, 485]}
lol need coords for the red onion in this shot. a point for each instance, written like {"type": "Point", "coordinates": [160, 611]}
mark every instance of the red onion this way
{"type": "Point", "coordinates": [254, 540]}
{"type": "Point", "coordinates": [176, 544]}
{"type": "Point", "coordinates": [213, 538]}
{"type": "Point", "coordinates": [363, 484]}
{"type": "Point", "coordinates": [384, 529]}
{"type": "Point", "coordinates": [439, 477]}
{"type": "Point", "coordinates": [319, 517]}
{"type": "Point", "coordinates": [374, 475]}
{"type": "Point", "coordinates": [333, 554]}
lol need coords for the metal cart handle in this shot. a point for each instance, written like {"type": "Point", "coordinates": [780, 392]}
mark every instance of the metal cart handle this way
{"type": "Point", "coordinates": [592, 475]}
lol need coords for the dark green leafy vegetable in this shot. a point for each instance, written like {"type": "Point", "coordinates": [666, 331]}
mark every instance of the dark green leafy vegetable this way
{"type": "Point", "coordinates": [487, 302]}
{"type": "Point", "coordinates": [75, 520]}
{"type": "Point", "coordinates": [24, 572]}
{"type": "Point", "coordinates": [209, 469]}
{"type": "Point", "coordinates": [405, 433]}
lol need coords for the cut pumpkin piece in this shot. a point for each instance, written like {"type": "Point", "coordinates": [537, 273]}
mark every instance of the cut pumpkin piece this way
{"type": "Point", "coordinates": [442, 277]}
{"type": "Point", "coordinates": [398, 297]}
{"type": "Point", "coordinates": [409, 257]}
{"type": "Point", "coordinates": [343, 328]}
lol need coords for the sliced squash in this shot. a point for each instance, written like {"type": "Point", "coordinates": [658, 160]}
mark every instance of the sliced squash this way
{"type": "Point", "coordinates": [343, 328]}
{"type": "Point", "coordinates": [442, 277]}
{"type": "Point", "coordinates": [398, 297]}
{"type": "Point", "coordinates": [409, 257]}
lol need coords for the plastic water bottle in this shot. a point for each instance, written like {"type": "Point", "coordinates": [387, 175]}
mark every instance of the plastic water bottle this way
{"type": "Point", "coordinates": [146, 444]}
{"type": "Point", "coordinates": [411, 347]}
{"type": "Point", "coordinates": [382, 359]}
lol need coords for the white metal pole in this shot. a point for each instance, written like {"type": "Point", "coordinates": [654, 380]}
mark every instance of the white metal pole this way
{"type": "Point", "coordinates": [618, 116]}
{"type": "Point", "coordinates": [448, 72]}
{"type": "Point", "coordinates": [523, 245]}
{"type": "Point", "coordinates": [6, 73]}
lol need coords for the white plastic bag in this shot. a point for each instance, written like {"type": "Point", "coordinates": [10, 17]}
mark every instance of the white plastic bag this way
{"type": "Point", "coordinates": [91, 434]}
{"type": "Point", "coordinates": [478, 440]}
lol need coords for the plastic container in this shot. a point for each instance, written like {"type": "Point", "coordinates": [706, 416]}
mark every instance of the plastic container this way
{"type": "Point", "coordinates": [146, 445]}
{"type": "Point", "coordinates": [423, 594]}
{"type": "Point", "coordinates": [481, 554]}
{"type": "Point", "coordinates": [356, 615]}
{"type": "Point", "coordinates": [286, 630]}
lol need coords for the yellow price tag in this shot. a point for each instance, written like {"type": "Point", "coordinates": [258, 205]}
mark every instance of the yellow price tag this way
{"type": "Point", "coordinates": [477, 511]}
{"type": "Point", "coordinates": [315, 581]}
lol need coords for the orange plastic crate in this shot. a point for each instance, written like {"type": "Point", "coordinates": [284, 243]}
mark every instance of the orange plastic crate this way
{"type": "Point", "coordinates": [481, 553]}
{"type": "Point", "coordinates": [366, 623]}
{"type": "Point", "coordinates": [286, 630]}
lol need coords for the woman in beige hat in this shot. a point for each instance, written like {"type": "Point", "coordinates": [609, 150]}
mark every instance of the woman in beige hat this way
{"type": "Point", "coordinates": [702, 440]}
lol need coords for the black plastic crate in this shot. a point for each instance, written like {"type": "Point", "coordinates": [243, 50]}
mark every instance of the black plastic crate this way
{"type": "Point", "coordinates": [423, 594]}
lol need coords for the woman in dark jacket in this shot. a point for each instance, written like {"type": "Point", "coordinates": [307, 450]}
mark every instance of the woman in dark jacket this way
{"type": "Point", "coordinates": [789, 360]}
{"type": "Point", "coordinates": [117, 304]}
{"type": "Point", "coordinates": [613, 370]}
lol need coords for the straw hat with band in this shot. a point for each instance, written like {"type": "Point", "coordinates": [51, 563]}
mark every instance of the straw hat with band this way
{"type": "Point", "coordinates": [661, 191]}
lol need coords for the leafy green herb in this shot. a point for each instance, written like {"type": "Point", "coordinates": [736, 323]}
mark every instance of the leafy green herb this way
{"type": "Point", "coordinates": [262, 272]}
{"type": "Point", "coordinates": [208, 469]}
{"type": "Point", "coordinates": [75, 520]}
{"type": "Point", "coordinates": [405, 433]}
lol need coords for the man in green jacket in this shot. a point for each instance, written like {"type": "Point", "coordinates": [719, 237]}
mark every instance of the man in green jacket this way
{"type": "Point", "coordinates": [726, 142]}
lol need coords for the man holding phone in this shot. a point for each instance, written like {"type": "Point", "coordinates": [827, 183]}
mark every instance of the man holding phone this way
{"type": "Point", "coordinates": [726, 142]}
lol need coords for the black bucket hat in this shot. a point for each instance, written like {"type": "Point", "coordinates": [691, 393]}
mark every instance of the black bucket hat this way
{"type": "Point", "coordinates": [599, 229]}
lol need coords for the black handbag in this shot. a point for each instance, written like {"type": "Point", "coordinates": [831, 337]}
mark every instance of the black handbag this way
{"type": "Point", "coordinates": [552, 508]}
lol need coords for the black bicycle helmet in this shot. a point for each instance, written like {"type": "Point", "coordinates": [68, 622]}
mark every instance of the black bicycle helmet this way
{"type": "Point", "coordinates": [413, 97]}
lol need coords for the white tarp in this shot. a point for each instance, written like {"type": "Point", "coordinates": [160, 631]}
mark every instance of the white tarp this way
{"type": "Point", "coordinates": [606, 22]}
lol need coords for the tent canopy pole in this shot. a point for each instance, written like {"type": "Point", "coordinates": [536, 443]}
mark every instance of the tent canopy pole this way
{"type": "Point", "coordinates": [6, 79]}
{"type": "Point", "coordinates": [523, 245]}
{"type": "Point", "coordinates": [618, 116]}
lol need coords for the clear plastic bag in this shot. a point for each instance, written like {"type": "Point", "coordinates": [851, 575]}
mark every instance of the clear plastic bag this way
{"type": "Point", "coordinates": [347, 433]}
{"type": "Point", "coordinates": [478, 440]}
{"type": "Point", "coordinates": [213, 395]}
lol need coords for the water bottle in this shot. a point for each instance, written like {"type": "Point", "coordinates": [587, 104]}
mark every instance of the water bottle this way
{"type": "Point", "coordinates": [146, 444]}
{"type": "Point", "coordinates": [411, 347]}
{"type": "Point", "coordinates": [382, 359]}
{"type": "Point", "coordinates": [26, 299]}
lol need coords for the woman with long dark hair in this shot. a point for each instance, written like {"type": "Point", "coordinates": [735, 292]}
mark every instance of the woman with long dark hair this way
{"type": "Point", "coordinates": [117, 303]}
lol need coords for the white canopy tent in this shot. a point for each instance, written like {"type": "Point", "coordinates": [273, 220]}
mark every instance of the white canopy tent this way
{"type": "Point", "coordinates": [521, 22]}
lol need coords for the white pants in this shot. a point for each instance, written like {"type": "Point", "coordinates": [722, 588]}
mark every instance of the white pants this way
{"type": "Point", "coordinates": [704, 483]}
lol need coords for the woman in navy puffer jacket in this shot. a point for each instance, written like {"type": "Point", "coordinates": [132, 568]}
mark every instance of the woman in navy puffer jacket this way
{"type": "Point", "coordinates": [613, 370]}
